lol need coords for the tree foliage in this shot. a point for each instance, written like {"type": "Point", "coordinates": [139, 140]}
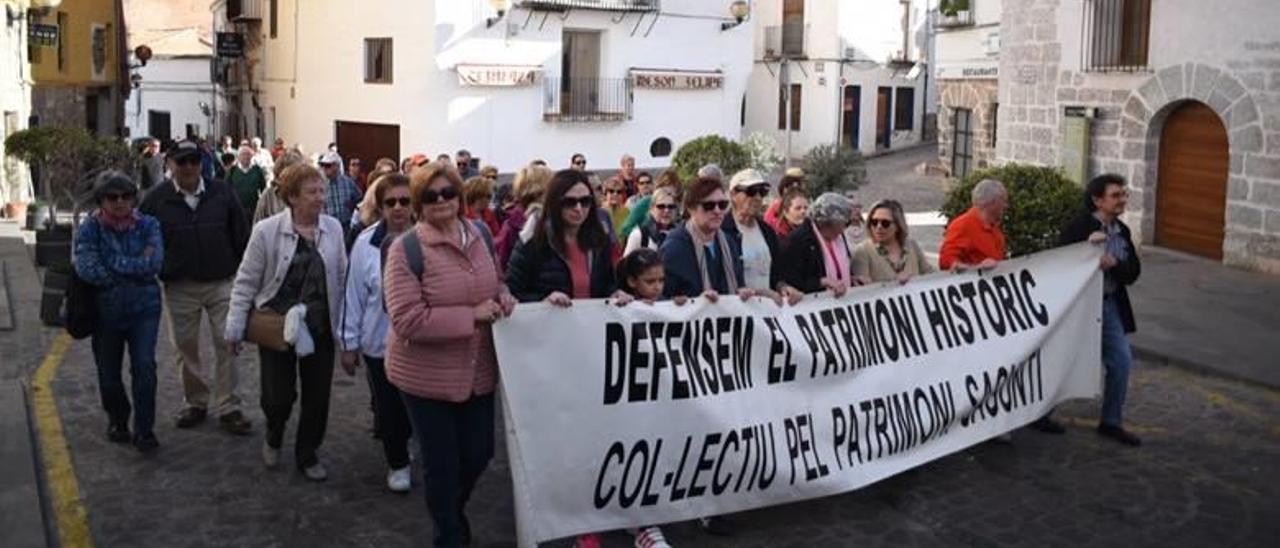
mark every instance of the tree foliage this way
{"type": "Point", "coordinates": [1041, 201]}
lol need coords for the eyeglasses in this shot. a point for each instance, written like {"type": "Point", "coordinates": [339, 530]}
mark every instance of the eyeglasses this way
{"type": "Point", "coordinates": [882, 223]}
{"type": "Point", "coordinates": [584, 202]}
{"type": "Point", "coordinates": [117, 196]}
{"type": "Point", "coordinates": [430, 196]}
{"type": "Point", "coordinates": [613, 191]}
{"type": "Point", "coordinates": [666, 207]}
{"type": "Point", "coordinates": [712, 205]}
{"type": "Point", "coordinates": [1118, 194]}
{"type": "Point", "coordinates": [755, 191]}
{"type": "Point", "coordinates": [402, 202]}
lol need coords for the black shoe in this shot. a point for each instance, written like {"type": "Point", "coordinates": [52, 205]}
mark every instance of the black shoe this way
{"type": "Point", "coordinates": [1049, 426]}
{"type": "Point", "coordinates": [1119, 434]}
{"type": "Point", "coordinates": [716, 526]}
{"type": "Point", "coordinates": [190, 417]}
{"type": "Point", "coordinates": [119, 433]}
{"type": "Point", "coordinates": [146, 443]}
{"type": "Point", "coordinates": [235, 423]}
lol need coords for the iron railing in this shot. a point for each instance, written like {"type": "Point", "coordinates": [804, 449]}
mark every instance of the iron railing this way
{"type": "Point", "coordinates": [607, 5]}
{"type": "Point", "coordinates": [1115, 35]}
{"type": "Point", "coordinates": [953, 20]}
{"type": "Point", "coordinates": [787, 40]}
{"type": "Point", "coordinates": [587, 99]}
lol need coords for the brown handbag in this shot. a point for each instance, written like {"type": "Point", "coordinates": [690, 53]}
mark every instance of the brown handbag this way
{"type": "Point", "coordinates": [266, 329]}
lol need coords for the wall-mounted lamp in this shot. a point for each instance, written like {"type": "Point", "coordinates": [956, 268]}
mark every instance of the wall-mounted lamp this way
{"type": "Point", "coordinates": [739, 9]}
{"type": "Point", "coordinates": [12, 14]}
{"type": "Point", "coordinates": [499, 6]}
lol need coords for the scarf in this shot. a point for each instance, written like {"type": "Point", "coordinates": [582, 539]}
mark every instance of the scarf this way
{"type": "Point", "coordinates": [123, 223]}
{"type": "Point", "coordinates": [722, 245]}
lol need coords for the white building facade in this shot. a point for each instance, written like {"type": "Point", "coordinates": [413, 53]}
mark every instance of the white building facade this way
{"type": "Point", "coordinates": [841, 72]}
{"type": "Point", "coordinates": [967, 69]}
{"type": "Point", "coordinates": [174, 95]}
{"type": "Point", "coordinates": [1180, 97]}
{"type": "Point", "coordinates": [543, 79]}
{"type": "Point", "coordinates": [15, 101]}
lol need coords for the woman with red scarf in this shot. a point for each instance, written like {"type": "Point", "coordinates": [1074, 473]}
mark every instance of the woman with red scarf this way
{"type": "Point", "coordinates": [119, 251]}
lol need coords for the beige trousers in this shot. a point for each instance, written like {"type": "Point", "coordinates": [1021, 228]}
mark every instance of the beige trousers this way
{"type": "Point", "coordinates": [186, 303]}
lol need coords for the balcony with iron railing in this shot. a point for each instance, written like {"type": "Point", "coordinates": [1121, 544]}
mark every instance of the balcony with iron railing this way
{"type": "Point", "coordinates": [953, 14]}
{"type": "Point", "coordinates": [606, 5]}
{"type": "Point", "coordinates": [786, 41]}
{"type": "Point", "coordinates": [587, 99]}
{"type": "Point", "coordinates": [1115, 35]}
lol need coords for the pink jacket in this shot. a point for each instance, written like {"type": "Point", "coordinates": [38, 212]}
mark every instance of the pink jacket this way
{"type": "Point", "coordinates": [434, 348]}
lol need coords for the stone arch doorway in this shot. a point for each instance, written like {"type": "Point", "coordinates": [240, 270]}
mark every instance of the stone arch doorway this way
{"type": "Point", "coordinates": [1191, 197]}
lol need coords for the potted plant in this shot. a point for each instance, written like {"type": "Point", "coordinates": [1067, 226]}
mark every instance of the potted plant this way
{"type": "Point", "coordinates": [962, 10]}
{"type": "Point", "coordinates": [948, 12]}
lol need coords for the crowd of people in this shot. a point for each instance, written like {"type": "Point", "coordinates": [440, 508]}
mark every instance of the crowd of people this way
{"type": "Point", "coordinates": [406, 267]}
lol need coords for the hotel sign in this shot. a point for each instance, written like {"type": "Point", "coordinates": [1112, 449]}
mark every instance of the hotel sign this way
{"type": "Point", "coordinates": [670, 79]}
{"type": "Point", "coordinates": [497, 75]}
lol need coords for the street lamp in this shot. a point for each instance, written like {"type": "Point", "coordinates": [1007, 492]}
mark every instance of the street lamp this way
{"type": "Point", "coordinates": [739, 9]}
{"type": "Point", "coordinates": [499, 6]}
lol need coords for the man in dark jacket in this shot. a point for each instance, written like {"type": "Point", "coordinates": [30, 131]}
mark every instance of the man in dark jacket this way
{"type": "Point", "coordinates": [1105, 200]}
{"type": "Point", "coordinates": [205, 233]}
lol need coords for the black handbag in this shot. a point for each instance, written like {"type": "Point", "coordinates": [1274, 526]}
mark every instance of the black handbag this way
{"type": "Point", "coordinates": [81, 307]}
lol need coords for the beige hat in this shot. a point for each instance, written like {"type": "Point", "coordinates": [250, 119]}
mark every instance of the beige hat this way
{"type": "Point", "coordinates": [746, 178]}
{"type": "Point", "coordinates": [795, 172]}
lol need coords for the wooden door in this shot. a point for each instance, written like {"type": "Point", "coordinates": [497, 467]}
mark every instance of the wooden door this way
{"type": "Point", "coordinates": [884, 105]}
{"type": "Point", "coordinates": [851, 109]}
{"type": "Point", "coordinates": [580, 87]}
{"type": "Point", "coordinates": [1191, 195]}
{"type": "Point", "coordinates": [962, 143]}
{"type": "Point", "coordinates": [368, 142]}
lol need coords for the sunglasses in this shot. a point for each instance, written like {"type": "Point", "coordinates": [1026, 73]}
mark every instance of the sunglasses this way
{"type": "Point", "coordinates": [402, 202]}
{"type": "Point", "coordinates": [881, 223]}
{"type": "Point", "coordinates": [755, 191]}
{"type": "Point", "coordinates": [188, 161]}
{"type": "Point", "coordinates": [644, 182]}
{"type": "Point", "coordinates": [666, 207]}
{"type": "Point", "coordinates": [712, 205]}
{"type": "Point", "coordinates": [430, 196]}
{"type": "Point", "coordinates": [117, 196]}
{"type": "Point", "coordinates": [580, 163]}
{"type": "Point", "coordinates": [584, 202]}
{"type": "Point", "coordinates": [613, 191]}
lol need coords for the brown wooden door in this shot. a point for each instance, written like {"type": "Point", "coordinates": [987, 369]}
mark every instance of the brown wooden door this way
{"type": "Point", "coordinates": [368, 142]}
{"type": "Point", "coordinates": [1191, 195]}
{"type": "Point", "coordinates": [884, 104]}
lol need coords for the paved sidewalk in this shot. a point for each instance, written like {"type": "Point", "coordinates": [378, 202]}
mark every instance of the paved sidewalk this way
{"type": "Point", "coordinates": [1197, 313]}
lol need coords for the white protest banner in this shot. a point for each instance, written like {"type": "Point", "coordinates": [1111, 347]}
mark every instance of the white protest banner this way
{"type": "Point", "coordinates": [649, 414]}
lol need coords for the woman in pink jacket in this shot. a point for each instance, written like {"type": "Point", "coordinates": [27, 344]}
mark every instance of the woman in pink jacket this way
{"type": "Point", "coordinates": [440, 348]}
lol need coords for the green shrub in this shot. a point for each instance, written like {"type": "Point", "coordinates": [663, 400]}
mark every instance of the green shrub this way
{"type": "Point", "coordinates": [833, 168]}
{"type": "Point", "coordinates": [710, 149]}
{"type": "Point", "coordinates": [1041, 200]}
{"type": "Point", "coordinates": [763, 153]}
{"type": "Point", "coordinates": [69, 158]}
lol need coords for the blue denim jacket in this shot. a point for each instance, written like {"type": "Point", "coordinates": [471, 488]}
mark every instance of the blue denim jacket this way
{"type": "Point", "coordinates": [113, 262]}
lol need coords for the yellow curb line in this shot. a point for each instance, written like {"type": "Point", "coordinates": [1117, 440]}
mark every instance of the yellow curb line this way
{"type": "Point", "coordinates": [68, 508]}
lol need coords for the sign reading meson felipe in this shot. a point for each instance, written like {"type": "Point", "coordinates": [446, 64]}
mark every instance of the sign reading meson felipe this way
{"type": "Point", "coordinates": [643, 414]}
{"type": "Point", "coordinates": [674, 79]}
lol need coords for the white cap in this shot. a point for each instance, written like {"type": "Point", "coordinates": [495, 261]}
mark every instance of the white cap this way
{"type": "Point", "coordinates": [745, 179]}
{"type": "Point", "coordinates": [331, 158]}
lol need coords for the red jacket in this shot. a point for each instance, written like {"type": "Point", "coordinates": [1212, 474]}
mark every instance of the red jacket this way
{"type": "Point", "coordinates": [435, 350]}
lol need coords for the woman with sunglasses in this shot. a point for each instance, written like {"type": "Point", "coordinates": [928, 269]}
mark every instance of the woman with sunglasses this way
{"type": "Point", "coordinates": [761, 267]}
{"type": "Point", "coordinates": [365, 323]}
{"type": "Point", "coordinates": [888, 254]}
{"type": "Point", "coordinates": [570, 254]}
{"type": "Point", "coordinates": [615, 199]}
{"type": "Point", "coordinates": [816, 255]}
{"type": "Point", "coordinates": [663, 212]}
{"type": "Point", "coordinates": [440, 350]}
{"type": "Point", "coordinates": [119, 251]}
{"type": "Point", "coordinates": [701, 259]}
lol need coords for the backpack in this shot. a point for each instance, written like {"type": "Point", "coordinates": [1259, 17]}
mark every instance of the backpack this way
{"type": "Point", "coordinates": [413, 253]}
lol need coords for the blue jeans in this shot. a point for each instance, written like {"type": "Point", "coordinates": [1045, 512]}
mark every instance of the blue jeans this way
{"type": "Point", "coordinates": [136, 324]}
{"type": "Point", "coordinates": [1117, 359]}
{"type": "Point", "coordinates": [456, 443]}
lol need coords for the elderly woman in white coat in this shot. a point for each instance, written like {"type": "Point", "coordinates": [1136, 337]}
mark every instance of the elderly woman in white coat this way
{"type": "Point", "coordinates": [295, 257]}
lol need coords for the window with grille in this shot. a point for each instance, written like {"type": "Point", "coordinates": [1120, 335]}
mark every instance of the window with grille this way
{"type": "Point", "coordinates": [274, 8]}
{"type": "Point", "coordinates": [377, 60]}
{"type": "Point", "coordinates": [962, 143]}
{"type": "Point", "coordinates": [1115, 35]}
{"type": "Point", "coordinates": [794, 110]}
{"type": "Point", "coordinates": [904, 106]}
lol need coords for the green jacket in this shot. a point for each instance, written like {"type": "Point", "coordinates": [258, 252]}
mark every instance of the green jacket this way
{"type": "Point", "coordinates": [248, 184]}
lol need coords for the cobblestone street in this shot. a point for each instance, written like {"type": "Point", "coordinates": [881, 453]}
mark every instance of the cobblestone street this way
{"type": "Point", "coordinates": [1209, 474]}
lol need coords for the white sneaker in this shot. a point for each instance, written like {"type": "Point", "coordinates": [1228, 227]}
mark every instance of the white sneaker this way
{"type": "Point", "coordinates": [400, 480]}
{"type": "Point", "coordinates": [316, 472]}
{"type": "Point", "coordinates": [651, 537]}
{"type": "Point", "coordinates": [270, 456]}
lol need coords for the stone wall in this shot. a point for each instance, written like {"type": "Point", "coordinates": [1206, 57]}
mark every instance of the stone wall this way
{"type": "Point", "coordinates": [979, 96]}
{"type": "Point", "coordinates": [59, 105]}
{"type": "Point", "coordinates": [1035, 87]}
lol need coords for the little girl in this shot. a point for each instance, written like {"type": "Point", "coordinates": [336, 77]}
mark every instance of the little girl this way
{"type": "Point", "coordinates": [640, 277]}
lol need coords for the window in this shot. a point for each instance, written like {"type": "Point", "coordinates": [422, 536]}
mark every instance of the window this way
{"type": "Point", "coordinates": [995, 124]}
{"type": "Point", "coordinates": [962, 143]}
{"type": "Point", "coordinates": [904, 109]}
{"type": "Point", "coordinates": [1115, 35]}
{"type": "Point", "coordinates": [661, 147]}
{"type": "Point", "coordinates": [377, 60]}
{"type": "Point", "coordinates": [795, 95]}
{"type": "Point", "coordinates": [275, 17]}
{"type": "Point", "coordinates": [62, 29]}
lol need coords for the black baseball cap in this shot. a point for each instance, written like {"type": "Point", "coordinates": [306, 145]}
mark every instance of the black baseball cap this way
{"type": "Point", "coordinates": [185, 149]}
